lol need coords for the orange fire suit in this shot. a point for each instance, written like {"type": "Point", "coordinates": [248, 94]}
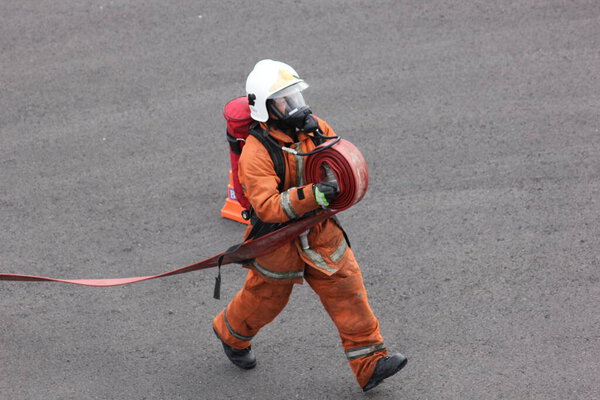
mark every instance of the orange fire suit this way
{"type": "Point", "coordinates": [328, 265]}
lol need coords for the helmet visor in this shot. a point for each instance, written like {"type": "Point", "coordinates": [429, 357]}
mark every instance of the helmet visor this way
{"type": "Point", "coordinates": [288, 101]}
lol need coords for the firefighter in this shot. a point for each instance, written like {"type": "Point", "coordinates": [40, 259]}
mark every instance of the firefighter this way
{"type": "Point", "coordinates": [320, 256]}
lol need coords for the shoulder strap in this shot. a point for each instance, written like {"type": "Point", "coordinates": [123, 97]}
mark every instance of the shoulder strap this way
{"type": "Point", "coordinates": [274, 151]}
{"type": "Point", "coordinates": [261, 228]}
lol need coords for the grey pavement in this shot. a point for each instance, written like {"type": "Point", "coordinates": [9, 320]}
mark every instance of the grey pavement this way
{"type": "Point", "coordinates": [479, 237]}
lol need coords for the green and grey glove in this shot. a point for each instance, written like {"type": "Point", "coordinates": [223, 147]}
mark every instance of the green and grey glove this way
{"type": "Point", "coordinates": [325, 192]}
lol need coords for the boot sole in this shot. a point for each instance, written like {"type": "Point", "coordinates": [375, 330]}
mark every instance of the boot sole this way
{"type": "Point", "coordinates": [239, 365]}
{"type": "Point", "coordinates": [376, 383]}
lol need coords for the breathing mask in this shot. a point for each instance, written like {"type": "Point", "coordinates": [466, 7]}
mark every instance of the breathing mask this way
{"type": "Point", "coordinates": [289, 108]}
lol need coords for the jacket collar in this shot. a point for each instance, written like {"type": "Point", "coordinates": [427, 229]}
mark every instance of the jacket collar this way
{"type": "Point", "coordinates": [281, 136]}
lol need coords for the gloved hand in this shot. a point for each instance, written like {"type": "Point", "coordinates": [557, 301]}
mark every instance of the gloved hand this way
{"type": "Point", "coordinates": [325, 192]}
{"type": "Point", "coordinates": [310, 124]}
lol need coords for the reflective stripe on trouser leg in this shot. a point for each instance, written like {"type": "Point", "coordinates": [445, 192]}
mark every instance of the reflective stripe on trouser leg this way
{"type": "Point", "coordinates": [254, 306]}
{"type": "Point", "coordinates": [233, 332]}
{"type": "Point", "coordinates": [352, 354]}
{"type": "Point", "coordinates": [345, 298]}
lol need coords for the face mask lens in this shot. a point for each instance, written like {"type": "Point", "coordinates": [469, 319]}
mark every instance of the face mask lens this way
{"type": "Point", "coordinates": [295, 102]}
{"type": "Point", "coordinates": [289, 100]}
{"type": "Point", "coordinates": [281, 105]}
{"type": "Point", "coordinates": [289, 105]}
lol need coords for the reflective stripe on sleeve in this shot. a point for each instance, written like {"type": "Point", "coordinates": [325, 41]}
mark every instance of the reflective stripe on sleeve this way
{"type": "Point", "coordinates": [286, 204]}
{"type": "Point", "coordinates": [338, 254]}
{"type": "Point", "coordinates": [234, 333]}
{"type": "Point", "coordinates": [359, 352]}
{"type": "Point", "coordinates": [276, 275]}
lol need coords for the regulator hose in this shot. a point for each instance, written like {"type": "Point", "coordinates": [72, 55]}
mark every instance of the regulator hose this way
{"type": "Point", "coordinates": [349, 169]}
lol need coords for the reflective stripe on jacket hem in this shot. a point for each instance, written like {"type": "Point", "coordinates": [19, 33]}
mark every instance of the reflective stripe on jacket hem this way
{"type": "Point", "coordinates": [336, 256]}
{"type": "Point", "coordinates": [286, 204]}
{"type": "Point", "coordinates": [277, 275]}
{"type": "Point", "coordinates": [359, 352]}
{"type": "Point", "coordinates": [318, 260]}
{"type": "Point", "coordinates": [232, 332]}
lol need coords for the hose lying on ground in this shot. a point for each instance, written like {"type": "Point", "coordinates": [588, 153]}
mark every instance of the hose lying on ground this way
{"type": "Point", "coordinates": [350, 170]}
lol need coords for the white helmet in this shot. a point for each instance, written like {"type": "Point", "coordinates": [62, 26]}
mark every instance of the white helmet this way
{"type": "Point", "coordinates": [265, 81]}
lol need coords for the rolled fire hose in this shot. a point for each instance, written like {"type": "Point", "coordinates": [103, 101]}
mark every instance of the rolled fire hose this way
{"type": "Point", "coordinates": [349, 169]}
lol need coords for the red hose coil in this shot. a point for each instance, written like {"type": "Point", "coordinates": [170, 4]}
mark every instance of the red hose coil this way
{"type": "Point", "coordinates": [350, 170]}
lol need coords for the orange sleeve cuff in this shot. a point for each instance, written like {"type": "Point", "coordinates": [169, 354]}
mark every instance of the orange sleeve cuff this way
{"type": "Point", "coordinates": [303, 199]}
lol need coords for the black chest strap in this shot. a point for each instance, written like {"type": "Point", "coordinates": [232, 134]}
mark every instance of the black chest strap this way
{"type": "Point", "coordinates": [274, 151]}
{"type": "Point", "coordinates": [261, 228]}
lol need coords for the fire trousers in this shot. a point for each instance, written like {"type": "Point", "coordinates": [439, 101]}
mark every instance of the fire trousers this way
{"type": "Point", "coordinates": [342, 294]}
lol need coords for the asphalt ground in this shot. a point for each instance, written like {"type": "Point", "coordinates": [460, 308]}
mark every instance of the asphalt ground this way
{"type": "Point", "coordinates": [478, 238]}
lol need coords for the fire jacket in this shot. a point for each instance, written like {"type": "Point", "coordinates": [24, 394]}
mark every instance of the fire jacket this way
{"type": "Point", "coordinates": [328, 249]}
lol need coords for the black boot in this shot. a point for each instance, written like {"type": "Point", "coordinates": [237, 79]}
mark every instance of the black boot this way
{"type": "Point", "coordinates": [243, 358]}
{"type": "Point", "coordinates": [386, 367]}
